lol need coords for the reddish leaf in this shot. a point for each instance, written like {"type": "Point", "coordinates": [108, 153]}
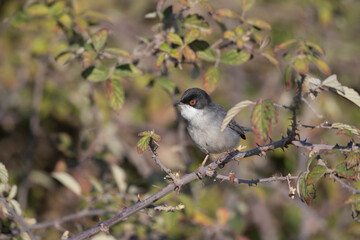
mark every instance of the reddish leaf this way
{"type": "Point", "coordinates": [160, 60]}
{"type": "Point", "coordinates": [189, 54]}
{"type": "Point", "coordinates": [262, 117]}
{"type": "Point", "coordinates": [322, 66]}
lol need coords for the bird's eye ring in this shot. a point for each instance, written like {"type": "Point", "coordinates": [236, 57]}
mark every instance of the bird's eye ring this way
{"type": "Point", "coordinates": [192, 102]}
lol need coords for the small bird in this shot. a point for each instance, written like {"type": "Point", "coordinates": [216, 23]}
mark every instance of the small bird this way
{"type": "Point", "coordinates": [204, 118]}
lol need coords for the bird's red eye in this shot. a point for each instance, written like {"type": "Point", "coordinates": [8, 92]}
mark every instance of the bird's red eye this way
{"type": "Point", "coordinates": [192, 102]}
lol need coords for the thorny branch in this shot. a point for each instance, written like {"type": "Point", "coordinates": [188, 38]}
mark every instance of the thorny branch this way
{"type": "Point", "coordinates": [209, 170]}
{"type": "Point", "coordinates": [204, 171]}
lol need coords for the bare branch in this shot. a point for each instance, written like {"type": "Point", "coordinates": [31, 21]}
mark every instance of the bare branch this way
{"type": "Point", "coordinates": [343, 184]}
{"type": "Point", "coordinates": [84, 213]}
{"type": "Point", "coordinates": [319, 147]}
{"type": "Point", "coordinates": [249, 182]}
{"type": "Point", "coordinates": [161, 165]}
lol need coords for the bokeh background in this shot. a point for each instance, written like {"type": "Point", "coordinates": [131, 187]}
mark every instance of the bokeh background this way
{"type": "Point", "coordinates": [52, 120]}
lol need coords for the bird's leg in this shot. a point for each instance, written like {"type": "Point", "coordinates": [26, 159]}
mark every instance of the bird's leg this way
{"type": "Point", "coordinates": [205, 160]}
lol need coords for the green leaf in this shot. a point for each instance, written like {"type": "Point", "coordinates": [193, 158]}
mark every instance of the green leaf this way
{"type": "Point", "coordinates": [310, 160]}
{"type": "Point", "coordinates": [165, 47]}
{"type": "Point", "coordinates": [189, 54]}
{"type": "Point", "coordinates": [315, 174]}
{"type": "Point", "coordinates": [174, 38]}
{"type": "Point", "coordinates": [115, 93]}
{"type": "Point", "coordinates": [207, 55]}
{"type": "Point", "coordinates": [304, 192]}
{"type": "Point", "coordinates": [175, 53]}
{"type": "Point", "coordinates": [99, 39]}
{"type": "Point", "coordinates": [332, 82]}
{"type": "Point", "coordinates": [195, 20]}
{"type": "Point", "coordinates": [301, 65]}
{"type": "Point", "coordinates": [285, 45]}
{"type": "Point", "coordinates": [211, 79]}
{"type": "Point", "coordinates": [4, 176]}
{"type": "Point", "coordinates": [314, 47]}
{"type": "Point", "coordinates": [66, 20]}
{"type": "Point", "coordinates": [191, 35]}
{"type": "Point", "coordinates": [143, 144]}
{"type": "Point", "coordinates": [353, 160]}
{"type": "Point", "coordinates": [258, 23]}
{"type": "Point", "coordinates": [322, 66]}
{"type": "Point", "coordinates": [262, 117]}
{"type": "Point", "coordinates": [166, 84]}
{"type": "Point", "coordinates": [234, 57]}
{"type": "Point", "coordinates": [96, 74]}
{"type": "Point", "coordinates": [160, 60]}
{"type": "Point", "coordinates": [118, 52]}
{"type": "Point", "coordinates": [56, 9]}
{"type": "Point", "coordinates": [37, 10]}
{"type": "Point", "coordinates": [234, 111]}
{"type": "Point", "coordinates": [126, 70]}
{"type": "Point", "coordinates": [68, 181]}
{"type": "Point", "coordinates": [287, 76]}
{"type": "Point", "coordinates": [342, 170]}
{"type": "Point", "coordinates": [119, 176]}
{"type": "Point", "coordinates": [227, 13]}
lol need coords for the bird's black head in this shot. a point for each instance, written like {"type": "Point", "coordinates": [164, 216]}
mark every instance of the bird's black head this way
{"type": "Point", "coordinates": [196, 97]}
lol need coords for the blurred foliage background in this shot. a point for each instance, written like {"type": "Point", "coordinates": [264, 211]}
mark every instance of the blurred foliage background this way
{"type": "Point", "coordinates": [55, 124]}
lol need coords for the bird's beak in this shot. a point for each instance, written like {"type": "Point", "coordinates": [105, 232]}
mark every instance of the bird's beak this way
{"type": "Point", "coordinates": [177, 104]}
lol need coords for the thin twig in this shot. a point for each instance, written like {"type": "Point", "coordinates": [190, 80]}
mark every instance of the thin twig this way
{"type": "Point", "coordinates": [161, 165]}
{"type": "Point", "coordinates": [312, 108]}
{"type": "Point", "coordinates": [343, 184]}
{"type": "Point", "coordinates": [20, 220]}
{"type": "Point", "coordinates": [84, 213]}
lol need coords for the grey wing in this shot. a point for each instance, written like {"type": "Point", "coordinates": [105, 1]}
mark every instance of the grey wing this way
{"type": "Point", "coordinates": [237, 128]}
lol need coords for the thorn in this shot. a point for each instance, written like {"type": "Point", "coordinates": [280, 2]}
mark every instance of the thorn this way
{"type": "Point", "coordinates": [138, 196]}
{"type": "Point", "coordinates": [232, 177]}
{"type": "Point", "coordinates": [350, 144]}
{"type": "Point", "coordinates": [270, 140]}
{"type": "Point", "coordinates": [305, 140]}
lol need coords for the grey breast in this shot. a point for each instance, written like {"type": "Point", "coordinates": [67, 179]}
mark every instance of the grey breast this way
{"type": "Point", "coordinates": [205, 131]}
